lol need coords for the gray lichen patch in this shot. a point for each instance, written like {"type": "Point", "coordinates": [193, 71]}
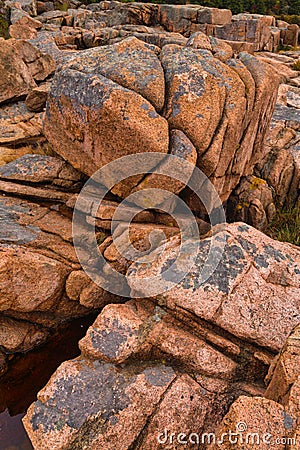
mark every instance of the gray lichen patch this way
{"type": "Point", "coordinates": [98, 388]}
{"type": "Point", "coordinates": [232, 264]}
{"type": "Point", "coordinates": [159, 375]}
{"type": "Point", "coordinates": [109, 341]}
{"type": "Point", "coordinates": [10, 230]}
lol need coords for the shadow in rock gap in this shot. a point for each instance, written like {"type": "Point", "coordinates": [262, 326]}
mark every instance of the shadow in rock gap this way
{"type": "Point", "coordinates": [28, 373]}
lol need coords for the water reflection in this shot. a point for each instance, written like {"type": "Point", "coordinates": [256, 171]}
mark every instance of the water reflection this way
{"type": "Point", "coordinates": [12, 433]}
{"type": "Point", "coordinates": [26, 376]}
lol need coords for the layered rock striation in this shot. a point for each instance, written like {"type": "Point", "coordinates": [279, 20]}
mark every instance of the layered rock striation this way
{"type": "Point", "coordinates": [84, 87]}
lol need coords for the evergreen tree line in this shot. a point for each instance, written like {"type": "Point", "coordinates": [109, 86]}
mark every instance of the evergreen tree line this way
{"type": "Point", "coordinates": [274, 7]}
{"type": "Point", "coordinates": [288, 10]}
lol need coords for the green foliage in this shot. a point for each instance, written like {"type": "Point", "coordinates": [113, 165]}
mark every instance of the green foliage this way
{"type": "Point", "coordinates": [289, 18]}
{"type": "Point", "coordinates": [285, 48]}
{"type": "Point", "coordinates": [4, 27]}
{"type": "Point", "coordinates": [61, 6]}
{"type": "Point", "coordinates": [296, 66]}
{"type": "Point", "coordinates": [64, 6]}
{"type": "Point", "coordinates": [281, 8]}
{"type": "Point", "coordinates": [285, 226]}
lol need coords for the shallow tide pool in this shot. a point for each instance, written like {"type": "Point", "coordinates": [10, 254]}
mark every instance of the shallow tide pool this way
{"type": "Point", "coordinates": [26, 376]}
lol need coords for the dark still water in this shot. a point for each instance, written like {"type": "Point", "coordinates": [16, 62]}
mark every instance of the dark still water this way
{"type": "Point", "coordinates": [28, 373]}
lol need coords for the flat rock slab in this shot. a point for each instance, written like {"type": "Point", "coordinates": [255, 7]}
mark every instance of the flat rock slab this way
{"type": "Point", "coordinates": [18, 125]}
{"type": "Point", "coordinates": [121, 404]}
{"type": "Point", "coordinates": [38, 169]}
{"type": "Point", "coordinates": [21, 66]}
{"type": "Point", "coordinates": [253, 271]}
{"type": "Point", "coordinates": [288, 114]}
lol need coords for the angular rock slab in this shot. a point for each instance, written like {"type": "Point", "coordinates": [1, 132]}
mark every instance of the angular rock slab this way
{"type": "Point", "coordinates": [36, 258]}
{"type": "Point", "coordinates": [21, 65]}
{"type": "Point", "coordinates": [285, 370]}
{"type": "Point", "coordinates": [39, 169]}
{"type": "Point", "coordinates": [130, 63]}
{"type": "Point", "coordinates": [15, 79]}
{"type": "Point", "coordinates": [252, 294]}
{"type": "Point", "coordinates": [114, 404]}
{"type": "Point", "coordinates": [138, 328]}
{"type": "Point", "coordinates": [89, 114]}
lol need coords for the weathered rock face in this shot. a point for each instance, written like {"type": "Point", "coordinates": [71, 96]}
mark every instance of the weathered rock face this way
{"type": "Point", "coordinates": [105, 103]}
{"type": "Point", "coordinates": [281, 167]}
{"type": "Point", "coordinates": [270, 420]}
{"type": "Point", "coordinates": [21, 66]}
{"type": "Point", "coordinates": [131, 64]}
{"type": "Point", "coordinates": [201, 345]}
{"type": "Point", "coordinates": [130, 79]}
{"type": "Point", "coordinates": [106, 119]}
{"type": "Point", "coordinates": [250, 260]}
{"type": "Point", "coordinates": [277, 173]}
{"type": "Point", "coordinates": [37, 255]}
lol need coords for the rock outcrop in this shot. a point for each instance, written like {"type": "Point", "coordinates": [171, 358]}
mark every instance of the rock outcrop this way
{"type": "Point", "coordinates": [185, 354]}
{"type": "Point", "coordinates": [105, 22]}
{"type": "Point", "coordinates": [121, 89]}
{"type": "Point", "coordinates": [37, 255]}
{"type": "Point", "coordinates": [191, 354]}
{"type": "Point", "coordinates": [21, 65]}
{"type": "Point", "coordinates": [273, 419]}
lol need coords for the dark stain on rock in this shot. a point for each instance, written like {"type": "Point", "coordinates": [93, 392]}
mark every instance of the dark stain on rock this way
{"type": "Point", "coordinates": [232, 263]}
{"type": "Point", "coordinates": [109, 342]}
{"type": "Point", "coordinates": [82, 89]}
{"type": "Point", "coordinates": [167, 265]}
{"type": "Point", "coordinates": [271, 252]}
{"type": "Point", "coordinates": [243, 228]}
{"type": "Point", "coordinates": [288, 421]}
{"type": "Point", "coordinates": [10, 229]}
{"type": "Point", "coordinates": [248, 246]}
{"type": "Point", "coordinates": [97, 388]}
{"type": "Point", "coordinates": [159, 375]}
{"type": "Point", "coordinates": [153, 114]}
{"type": "Point", "coordinates": [175, 275]}
{"type": "Point", "coordinates": [261, 261]}
{"type": "Point", "coordinates": [180, 145]}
